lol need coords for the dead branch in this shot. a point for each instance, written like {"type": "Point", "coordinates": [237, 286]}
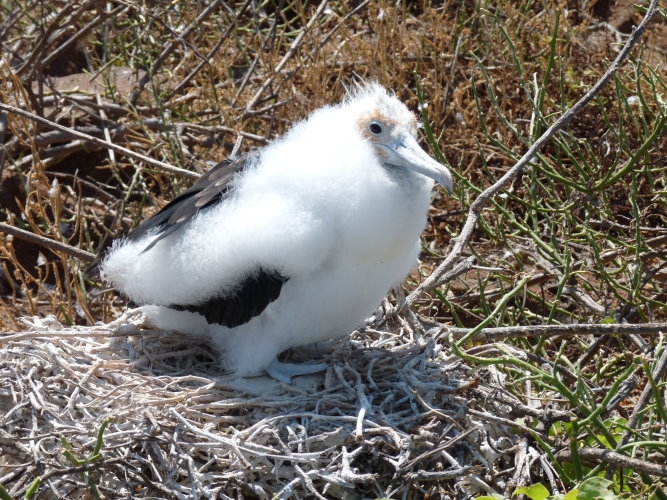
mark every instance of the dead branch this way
{"type": "Point", "coordinates": [595, 456]}
{"type": "Point", "coordinates": [47, 242]}
{"type": "Point", "coordinates": [526, 331]}
{"type": "Point", "coordinates": [99, 142]}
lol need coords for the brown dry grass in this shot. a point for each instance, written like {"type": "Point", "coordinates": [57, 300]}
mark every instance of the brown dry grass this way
{"type": "Point", "coordinates": [412, 419]}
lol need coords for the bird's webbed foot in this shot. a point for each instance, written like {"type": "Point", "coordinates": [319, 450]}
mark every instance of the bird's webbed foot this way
{"type": "Point", "coordinates": [284, 372]}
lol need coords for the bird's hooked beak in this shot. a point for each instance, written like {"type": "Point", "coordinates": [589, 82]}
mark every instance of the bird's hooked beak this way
{"type": "Point", "coordinates": [405, 152]}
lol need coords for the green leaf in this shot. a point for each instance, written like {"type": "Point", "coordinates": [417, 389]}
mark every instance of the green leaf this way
{"type": "Point", "coordinates": [534, 492]}
{"type": "Point", "coordinates": [596, 488]}
{"type": "Point", "coordinates": [4, 494]}
{"type": "Point", "coordinates": [32, 489]}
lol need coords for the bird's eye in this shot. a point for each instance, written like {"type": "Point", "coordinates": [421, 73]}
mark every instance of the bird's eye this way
{"type": "Point", "coordinates": [375, 127]}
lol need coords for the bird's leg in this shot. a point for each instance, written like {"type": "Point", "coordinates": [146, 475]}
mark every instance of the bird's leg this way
{"type": "Point", "coordinates": [284, 372]}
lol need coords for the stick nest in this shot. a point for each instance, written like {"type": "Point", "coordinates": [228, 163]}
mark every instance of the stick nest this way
{"type": "Point", "coordinates": [118, 410]}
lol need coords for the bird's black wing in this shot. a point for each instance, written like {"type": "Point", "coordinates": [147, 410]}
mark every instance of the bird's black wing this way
{"type": "Point", "coordinates": [212, 187]}
{"type": "Point", "coordinates": [248, 300]}
{"type": "Point", "coordinates": [258, 289]}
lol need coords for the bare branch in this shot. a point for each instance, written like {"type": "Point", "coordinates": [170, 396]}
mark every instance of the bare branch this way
{"type": "Point", "coordinates": [595, 456]}
{"type": "Point", "coordinates": [100, 142]}
{"type": "Point", "coordinates": [494, 334]}
{"type": "Point", "coordinates": [47, 242]}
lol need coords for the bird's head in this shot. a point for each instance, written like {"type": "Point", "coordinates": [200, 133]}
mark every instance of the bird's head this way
{"type": "Point", "coordinates": [392, 131]}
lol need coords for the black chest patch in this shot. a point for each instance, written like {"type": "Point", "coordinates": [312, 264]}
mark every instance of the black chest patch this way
{"type": "Point", "coordinates": [251, 297]}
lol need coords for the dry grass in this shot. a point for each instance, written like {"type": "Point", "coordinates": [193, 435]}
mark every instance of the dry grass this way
{"type": "Point", "coordinates": [404, 411]}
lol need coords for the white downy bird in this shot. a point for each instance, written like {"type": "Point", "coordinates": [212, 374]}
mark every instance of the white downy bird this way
{"type": "Point", "coordinates": [290, 245]}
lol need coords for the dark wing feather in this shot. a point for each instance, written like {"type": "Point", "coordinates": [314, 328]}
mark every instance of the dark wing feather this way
{"type": "Point", "coordinates": [249, 299]}
{"type": "Point", "coordinates": [212, 187]}
{"type": "Point", "coordinates": [258, 289]}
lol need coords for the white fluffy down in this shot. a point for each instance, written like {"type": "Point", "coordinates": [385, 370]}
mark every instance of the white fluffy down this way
{"type": "Point", "coordinates": [320, 208]}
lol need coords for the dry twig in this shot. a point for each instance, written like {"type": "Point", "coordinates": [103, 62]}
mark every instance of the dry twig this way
{"type": "Point", "coordinates": [529, 331]}
{"type": "Point", "coordinates": [99, 142]}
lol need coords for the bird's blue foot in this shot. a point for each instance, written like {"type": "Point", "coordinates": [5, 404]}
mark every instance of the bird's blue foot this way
{"type": "Point", "coordinates": [284, 372]}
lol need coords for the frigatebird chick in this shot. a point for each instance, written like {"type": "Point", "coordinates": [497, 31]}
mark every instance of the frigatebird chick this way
{"type": "Point", "coordinates": [293, 244]}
